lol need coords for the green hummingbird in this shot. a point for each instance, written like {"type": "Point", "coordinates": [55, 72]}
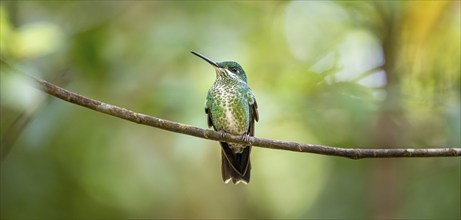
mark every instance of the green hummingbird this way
{"type": "Point", "coordinates": [231, 108]}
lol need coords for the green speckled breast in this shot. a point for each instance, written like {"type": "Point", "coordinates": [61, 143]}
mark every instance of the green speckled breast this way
{"type": "Point", "coordinates": [229, 107]}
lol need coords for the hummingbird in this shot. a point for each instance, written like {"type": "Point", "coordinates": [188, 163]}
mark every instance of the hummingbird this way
{"type": "Point", "coordinates": [231, 108]}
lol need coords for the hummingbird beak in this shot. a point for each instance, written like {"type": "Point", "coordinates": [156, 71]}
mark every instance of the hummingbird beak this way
{"type": "Point", "coordinates": [214, 64]}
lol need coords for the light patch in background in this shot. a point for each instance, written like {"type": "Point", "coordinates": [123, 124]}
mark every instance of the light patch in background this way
{"type": "Point", "coordinates": [374, 80]}
{"type": "Point", "coordinates": [359, 52]}
{"type": "Point", "coordinates": [311, 26]}
{"type": "Point", "coordinates": [18, 93]}
{"type": "Point", "coordinates": [37, 39]}
{"type": "Point", "coordinates": [330, 45]}
{"type": "Point", "coordinates": [325, 63]}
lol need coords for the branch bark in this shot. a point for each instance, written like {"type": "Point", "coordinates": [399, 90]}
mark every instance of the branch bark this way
{"type": "Point", "coordinates": [352, 153]}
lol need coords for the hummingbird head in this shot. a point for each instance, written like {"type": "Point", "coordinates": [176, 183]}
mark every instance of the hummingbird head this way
{"type": "Point", "coordinates": [226, 69]}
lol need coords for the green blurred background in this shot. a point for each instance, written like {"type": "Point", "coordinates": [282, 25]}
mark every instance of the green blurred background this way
{"type": "Point", "coordinates": [346, 74]}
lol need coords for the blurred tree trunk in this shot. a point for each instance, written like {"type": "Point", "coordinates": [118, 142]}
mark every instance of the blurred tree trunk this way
{"type": "Point", "coordinates": [389, 126]}
{"type": "Point", "coordinates": [405, 28]}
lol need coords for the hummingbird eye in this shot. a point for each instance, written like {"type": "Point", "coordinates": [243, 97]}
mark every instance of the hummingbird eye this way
{"type": "Point", "coordinates": [233, 69]}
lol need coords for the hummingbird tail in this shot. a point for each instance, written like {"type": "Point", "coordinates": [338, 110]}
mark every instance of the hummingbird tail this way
{"type": "Point", "coordinates": [235, 167]}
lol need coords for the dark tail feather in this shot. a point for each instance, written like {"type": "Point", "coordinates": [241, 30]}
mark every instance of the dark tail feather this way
{"type": "Point", "coordinates": [235, 167]}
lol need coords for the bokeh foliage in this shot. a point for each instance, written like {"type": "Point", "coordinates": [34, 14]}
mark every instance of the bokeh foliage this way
{"type": "Point", "coordinates": [347, 74]}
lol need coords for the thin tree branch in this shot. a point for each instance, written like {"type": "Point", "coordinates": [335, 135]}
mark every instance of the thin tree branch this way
{"type": "Point", "coordinates": [254, 141]}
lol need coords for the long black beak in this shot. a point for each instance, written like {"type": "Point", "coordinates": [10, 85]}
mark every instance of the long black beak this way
{"type": "Point", "coordinates": [206, 59]}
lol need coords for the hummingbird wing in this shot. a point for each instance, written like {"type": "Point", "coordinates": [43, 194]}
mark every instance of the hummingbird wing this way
{"type": "Point", "coordinates": [254, 115]}
{"type": "Point", "coordinates": [208, 111]}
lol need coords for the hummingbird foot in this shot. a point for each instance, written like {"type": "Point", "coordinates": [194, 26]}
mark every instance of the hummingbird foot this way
{"type": "Point", "coordinates": [223, 133]}
{"type": "Point", "coordinates": [246, 138]}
